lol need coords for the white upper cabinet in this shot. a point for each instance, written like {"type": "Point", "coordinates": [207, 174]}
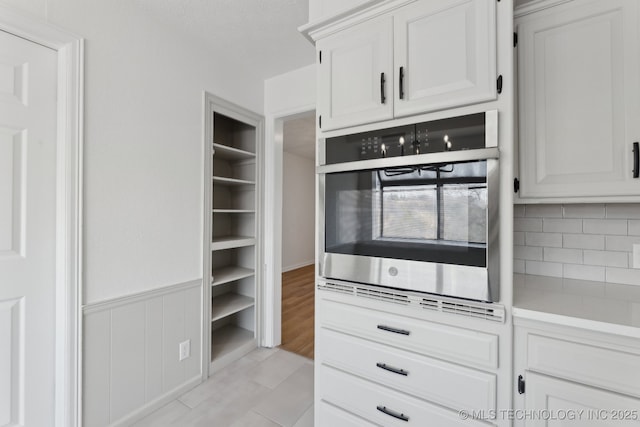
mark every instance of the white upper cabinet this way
{"type": "Point", "coordinates": [445, 55]}
{"type": "Point", "coordinates": [355, 75]}
{"type": "Point", "coordinates": [579, 99]}
{"type": "Point", "coordinates": [425, 56]}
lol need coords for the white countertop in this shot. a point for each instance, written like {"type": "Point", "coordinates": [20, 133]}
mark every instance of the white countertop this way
{"type": "Point", "coordinates": [605, 307]}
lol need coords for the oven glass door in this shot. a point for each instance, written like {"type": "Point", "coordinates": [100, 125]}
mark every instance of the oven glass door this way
{"type": "Point", "coordinates": [431, 213]}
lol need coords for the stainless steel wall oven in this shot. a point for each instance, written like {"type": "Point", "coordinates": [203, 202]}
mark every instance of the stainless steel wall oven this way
{"type": "Point", "coordinates": [414, 207]}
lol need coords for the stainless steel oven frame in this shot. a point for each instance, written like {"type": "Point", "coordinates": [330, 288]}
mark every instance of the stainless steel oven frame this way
{"type": "Point", "coordinates": [468, 282]}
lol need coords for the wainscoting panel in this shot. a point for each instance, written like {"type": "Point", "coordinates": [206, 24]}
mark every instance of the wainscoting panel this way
{"type": "Point", "coordinates": [131, 352]}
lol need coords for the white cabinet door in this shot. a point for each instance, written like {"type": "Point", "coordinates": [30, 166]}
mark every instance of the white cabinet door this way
{"type": "Point", "coordinates": [559, 403]}
{"type": "Point", "coordinates": [355, 75]}
{"type": "Point", "coordinates": [445, 55]}
{"type": "Point", "coordinates": [579, 94]}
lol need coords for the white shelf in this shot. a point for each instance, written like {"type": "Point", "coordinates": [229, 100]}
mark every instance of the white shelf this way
{"type": "Point", "coordinates": [230, 242]}
{"type": "Point", "coordinates": [227, 304]}
{"type": "Point", "coordinates": [227, 339]}
{"type": "Point", "coordinates": [234, 211]}
{"type": "Point", "coordinates": [230, 274]}
{"type": "Point", "coordinates": [230, 153]}
{"type": "Point", "coordinates": [221, 180]}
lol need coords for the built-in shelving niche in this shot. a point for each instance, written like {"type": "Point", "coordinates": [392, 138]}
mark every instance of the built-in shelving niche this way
{"type": "Point", "coordinates": [233, 236]}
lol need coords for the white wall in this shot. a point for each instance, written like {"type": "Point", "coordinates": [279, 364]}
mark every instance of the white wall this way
{"type": "Point", "coordinates": [143, 176]}
{"type": "Point", "coordinates": [284, 95]}
{"type": "Point", "coordinates": [298, 211]}
{"type": "Point", "coordinates": [143, 142]}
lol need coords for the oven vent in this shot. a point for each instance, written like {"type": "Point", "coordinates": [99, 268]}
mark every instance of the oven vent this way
{"type": "Point", "coordinates": [336, 287]}
{"type": "Point", "coordinates": [383, 295]}
{"type": "Point", "coordinates": [414, 301]}
{"type": "Point", "coordinates": [473, 310]}
{"type": "Point", "coordinates": [430, 304]}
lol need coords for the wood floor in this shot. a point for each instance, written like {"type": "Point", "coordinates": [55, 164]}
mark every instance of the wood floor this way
{"type": "Point", "coordinates": [298, 310]}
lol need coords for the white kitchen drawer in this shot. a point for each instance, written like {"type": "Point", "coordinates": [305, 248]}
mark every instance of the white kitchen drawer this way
{"type": "Point", "coordinates": [444, 383]}
{"type": "Point", "coordinates": [332, 416]}
{"type": "Point", "coordinates": [587, 363]}
{"type": "Point", "coordinates": [381, 405]}
{"type": "Point", "coordinates": [433, 339]}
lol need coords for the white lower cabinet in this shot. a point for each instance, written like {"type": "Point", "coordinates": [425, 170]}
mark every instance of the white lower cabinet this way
{"type": "Point", "coordinates": [383, 405]}
{"type": "Point", "coordinates": [387, 365]}
{"type": "Point", "coordinates": [574, 377]}
{"type": "Point", "coordinates": [557, 403]}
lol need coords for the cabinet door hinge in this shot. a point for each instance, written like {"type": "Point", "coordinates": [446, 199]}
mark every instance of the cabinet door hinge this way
{"type": "Point", "coordinates": [499, 84]}
{"type": "Point", "coordinates": [516, 185]}
{"type": "Point", "coordinates": [520, 384]}
{"type": "Point", "coordinates": [515, 39]}
{"type": "Point", "coordinates": [320, 56]}
{"type": "Point", "coordinates": [320, 121]}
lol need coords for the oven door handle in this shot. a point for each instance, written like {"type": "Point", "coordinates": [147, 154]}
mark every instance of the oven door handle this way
{"type": "Point", "coordinates": [417, 159]}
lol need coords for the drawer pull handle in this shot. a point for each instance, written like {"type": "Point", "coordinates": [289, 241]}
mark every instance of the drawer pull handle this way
{"type": "Point", "coordinates": [394, 330]}
{"type": "Point", "coordinates": [393, 414]}
{"type": "Point", "coordinates": [392, 369]}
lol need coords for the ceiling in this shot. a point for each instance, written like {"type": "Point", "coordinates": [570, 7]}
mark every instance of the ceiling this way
{"type": "Point", "coordinates": [258, 35]}
{"type": "Point", "coordinates": [299, 136]}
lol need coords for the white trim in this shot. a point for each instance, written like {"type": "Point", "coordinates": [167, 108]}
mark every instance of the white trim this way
{"type": "Point", "coordinates": [139, 296]}
{"type": "Point", "coordinates": [68, 205]}
{"type": "Point", "coordinates": [272, 324]}
{"type": "Point", "coordinates": [156, 404]}
{"type": "Point", "coordinates": [298, 265]}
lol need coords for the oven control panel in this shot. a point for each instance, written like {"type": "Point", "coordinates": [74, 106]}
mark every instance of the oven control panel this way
{"type": "Point", "coordinates": [452, 134]}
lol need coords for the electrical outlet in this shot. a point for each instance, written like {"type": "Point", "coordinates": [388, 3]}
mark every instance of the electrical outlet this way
{"type": "Point", "coordinates": [185, 349]}
{"type": "Point", "coordinates": [636, 255]}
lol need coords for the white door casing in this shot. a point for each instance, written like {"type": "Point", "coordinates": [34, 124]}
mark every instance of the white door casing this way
{"type": "Point", "coordinates": [27, 231]}
{"type": "Point", "coordinates": [40, 172]}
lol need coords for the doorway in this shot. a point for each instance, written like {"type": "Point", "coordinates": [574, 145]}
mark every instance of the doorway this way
{"type": "Point", "coordinates": [40, 226]}
{"type": "Point", "coordinates": [298, 233]}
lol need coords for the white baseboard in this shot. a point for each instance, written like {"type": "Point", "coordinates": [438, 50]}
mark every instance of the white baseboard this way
{"type": "Point", "coordinates": [298, 265]}
{"type": "Point", "coordinates": [156, 404]}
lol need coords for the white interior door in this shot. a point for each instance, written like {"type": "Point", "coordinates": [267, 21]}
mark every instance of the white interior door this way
{"type": "Point", "coordinates": [28, 79]}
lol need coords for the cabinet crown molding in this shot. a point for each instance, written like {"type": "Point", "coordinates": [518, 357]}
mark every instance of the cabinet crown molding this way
{"type": "Point", "coordinates": [536, 6]}
{"type": "Point", "coordinates": [315, 31]}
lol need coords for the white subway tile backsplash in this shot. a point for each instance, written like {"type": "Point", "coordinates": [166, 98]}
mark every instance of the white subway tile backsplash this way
{"type": "Point", "coordinates": [543, 211]}
{"type": "Point", "coordinates": [518, 238]}
{"type": "Point", "coordinates": [585, 242]}
{"type": "Point", "coordinates": [555, 225]}
{"type": "Point", "coordinates": [584, 272]}
{"type": "Point", "coordinates": [625, 276]}
{"type": "Point", "coordinates": [605, 226]}
{"type": "Point", "coordinates": [606, 259]}
{"type": "Point", "coordinates": [634, 227]}
{"type": "Point", "coordinates": [584, 211]}
{"type": "Point", "coordinates": [538, 268]}
{"type": "Point", "coordinates": [565, 256]}
{"type": "Point", "coordinates": [582, 241]}
{"type": "Point", "coordinates": [624, 211]}
{"type": "Point", "coordinates": [518, 211]}
{"type": "Point", "coordinates": [620, 243]}
{"type": "Point", "coordinates": [553, 240]}
{"type": "Point", "coordinates": [527, 224]}
{"type": "Point", "coordinates": [527, 253]}
{"type": "Point", "coordinates": [518, 266]}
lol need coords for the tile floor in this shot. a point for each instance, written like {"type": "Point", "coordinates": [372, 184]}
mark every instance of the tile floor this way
{"type": "Point", "coordinates": [266, 388]}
